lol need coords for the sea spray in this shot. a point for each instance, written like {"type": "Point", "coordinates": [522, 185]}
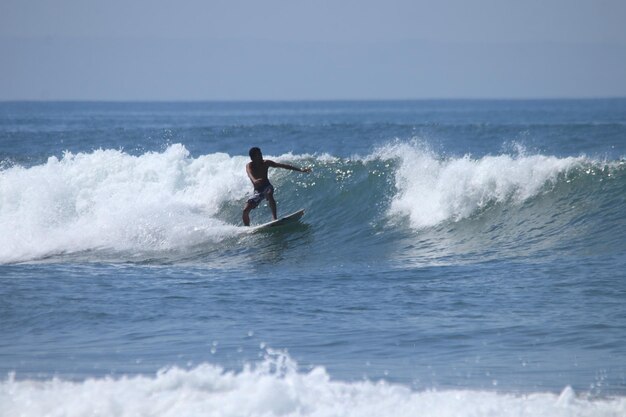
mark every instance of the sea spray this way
{"type": "Point", "coordinates": [432, 189]}
{"type": "Point", "coordinates": [275, 387]}
{"type": "Point", "coordinates": [110, 199]}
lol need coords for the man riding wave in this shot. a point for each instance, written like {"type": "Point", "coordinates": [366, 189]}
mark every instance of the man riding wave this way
{"type": "Point", "coordinates": [257, 171]}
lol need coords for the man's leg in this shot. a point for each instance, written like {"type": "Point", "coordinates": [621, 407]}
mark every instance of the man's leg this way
{"type": "Point", "coordinates": [272, 203]}
{"type": "Point", "coordinates": [246, 214]}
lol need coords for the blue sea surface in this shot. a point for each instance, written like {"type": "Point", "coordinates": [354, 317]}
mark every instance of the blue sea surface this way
{"type": "Point", "coordinates": [474, 250]}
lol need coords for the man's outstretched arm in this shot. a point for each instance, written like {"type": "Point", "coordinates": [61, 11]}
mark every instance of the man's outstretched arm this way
{"type": "Point", "coordinates": [287, 166]}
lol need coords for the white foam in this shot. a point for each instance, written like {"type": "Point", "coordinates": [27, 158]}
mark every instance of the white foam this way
{"type": "Point", "coordinates": [276, 388]}
{"type": "Point", "coordinates": [111, 199]}
{"type": "Point", "coordinates": [432, 189]}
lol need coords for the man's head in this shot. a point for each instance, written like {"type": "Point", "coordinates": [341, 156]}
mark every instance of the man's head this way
{"type": "Point", "coordinates": [255, 154]}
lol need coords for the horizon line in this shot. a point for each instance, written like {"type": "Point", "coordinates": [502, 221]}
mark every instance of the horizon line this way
{"type": "Point", "coordinates": [310, 100]}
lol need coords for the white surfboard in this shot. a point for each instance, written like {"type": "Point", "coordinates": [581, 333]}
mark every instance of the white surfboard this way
{"type": "Point", "coordinates": [283, 221]}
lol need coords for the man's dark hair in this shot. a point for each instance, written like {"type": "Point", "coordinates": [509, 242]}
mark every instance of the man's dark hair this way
{"type": "Point", "coordinates": [254, 151]}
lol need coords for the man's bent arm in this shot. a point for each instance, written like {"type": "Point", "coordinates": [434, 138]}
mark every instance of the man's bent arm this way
{"type": "Point", "coordinates": [255, 181]}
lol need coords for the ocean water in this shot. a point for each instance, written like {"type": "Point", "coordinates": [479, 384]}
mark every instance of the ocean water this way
{"type": "Point", "coordinates": [457, 258]}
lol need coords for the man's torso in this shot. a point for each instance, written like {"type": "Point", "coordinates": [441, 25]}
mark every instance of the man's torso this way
{"type": "Point", "coordinates": [259, 171]}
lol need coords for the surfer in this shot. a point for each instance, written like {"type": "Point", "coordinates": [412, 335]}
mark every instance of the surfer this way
{"type": "Point", "coordinates": [257, 172]}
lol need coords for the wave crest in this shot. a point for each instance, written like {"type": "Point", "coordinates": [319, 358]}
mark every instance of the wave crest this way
{"type": "Point", "coordinates": [431, 189]}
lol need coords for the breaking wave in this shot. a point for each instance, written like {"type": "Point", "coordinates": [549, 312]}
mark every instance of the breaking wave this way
{"type": "Point", "coordinates": [170, 201]}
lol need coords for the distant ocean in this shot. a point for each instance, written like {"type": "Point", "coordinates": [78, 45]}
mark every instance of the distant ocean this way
{"type": "Point", "coordinates": [456, 258]}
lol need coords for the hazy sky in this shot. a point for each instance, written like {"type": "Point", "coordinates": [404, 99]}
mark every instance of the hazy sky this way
{"type": "Point", "coordinates": [274, 49]}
